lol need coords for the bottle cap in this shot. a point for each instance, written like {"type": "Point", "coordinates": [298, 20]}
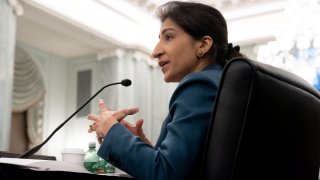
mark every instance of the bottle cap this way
{"type": "Point", "coordinates": [92, 144]}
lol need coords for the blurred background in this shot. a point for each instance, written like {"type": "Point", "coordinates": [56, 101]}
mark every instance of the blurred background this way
{"type": "Point", "coordinates": [54, 55]}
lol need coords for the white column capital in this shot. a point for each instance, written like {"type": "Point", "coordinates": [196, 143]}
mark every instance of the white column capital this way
{"type": "Point", "coordinates": [140, 55]}
{"type": "Point", "coordinates": [113, 53]}
{"type": "Point", "coordinates": [121, 53]}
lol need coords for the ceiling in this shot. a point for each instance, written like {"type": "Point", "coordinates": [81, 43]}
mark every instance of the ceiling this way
{"type": "Point", "coordinates": [42, 27]}
{"type": "Point", "coordinates": [52, 34]}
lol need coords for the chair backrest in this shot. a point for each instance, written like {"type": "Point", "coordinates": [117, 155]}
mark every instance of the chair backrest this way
{"type": "Point", "coordinates": [265, 125]}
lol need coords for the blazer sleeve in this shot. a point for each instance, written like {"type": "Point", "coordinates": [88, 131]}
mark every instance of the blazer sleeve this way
{"type": "Point", "coordinates": [184, 132]}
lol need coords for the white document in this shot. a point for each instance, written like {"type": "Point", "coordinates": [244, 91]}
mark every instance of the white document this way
{"type": "Point", "coordinates": [46, 165]}
{"type": "Point", "coordinates": [51, 165]}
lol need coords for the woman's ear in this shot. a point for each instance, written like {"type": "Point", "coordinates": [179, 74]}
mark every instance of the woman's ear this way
{"type": "Point", "coordinates": [205, 44]}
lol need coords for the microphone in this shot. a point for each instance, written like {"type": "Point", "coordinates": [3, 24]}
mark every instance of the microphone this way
{"type": "Point", "coordinates": [32, 151]}
{"type": "Point", "coordinates": [126, 82]}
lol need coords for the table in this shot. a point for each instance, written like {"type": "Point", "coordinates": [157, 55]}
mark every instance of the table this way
{"type": "Point", "coordinates": [14, 172]}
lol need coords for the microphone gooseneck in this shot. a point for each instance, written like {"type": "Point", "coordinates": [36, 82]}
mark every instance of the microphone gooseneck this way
{"type": "Point", "coordinates": [32, 151]}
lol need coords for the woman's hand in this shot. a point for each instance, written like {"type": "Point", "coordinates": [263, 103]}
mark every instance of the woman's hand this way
{"type": "Point", "coordinates": [102, 124]}
{"type": "Point", "coordinates": [136, 130]}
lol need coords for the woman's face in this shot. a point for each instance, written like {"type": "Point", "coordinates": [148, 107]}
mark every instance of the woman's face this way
{"type": "Point", "coordinates": [176, 52]}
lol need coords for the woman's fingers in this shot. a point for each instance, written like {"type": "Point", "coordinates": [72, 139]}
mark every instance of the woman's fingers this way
{"type": "Point", "coordinates": [120, 114]}
{"type": "Point", "coordinates": [103, 122]}
{"type": "Point", "coordinates": [93, 117]}
{"type": "Point", "coordinates": [102, 106]}
{"type": "Point", "coordinates": [139, 123]}
{"type": "Point", "coordinates": [125, 112]}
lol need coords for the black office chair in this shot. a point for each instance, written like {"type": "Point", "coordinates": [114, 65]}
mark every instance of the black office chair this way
{"type": "Point", "coordinates": [265, 125]}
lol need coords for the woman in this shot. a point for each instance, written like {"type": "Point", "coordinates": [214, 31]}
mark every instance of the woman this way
{"type": "Point", "coordinates": [192, 50]}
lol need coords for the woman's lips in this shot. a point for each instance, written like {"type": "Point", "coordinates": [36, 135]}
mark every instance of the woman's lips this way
{"type": "Point", "coordinates": [162, 63]}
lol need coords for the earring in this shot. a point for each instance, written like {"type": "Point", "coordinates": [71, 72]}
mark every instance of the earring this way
{"type": "Point", "coordinates": [199, 54]}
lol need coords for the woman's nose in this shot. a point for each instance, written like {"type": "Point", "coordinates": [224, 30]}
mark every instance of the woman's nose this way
{"type": "Point", "coordinates": [156, 51]}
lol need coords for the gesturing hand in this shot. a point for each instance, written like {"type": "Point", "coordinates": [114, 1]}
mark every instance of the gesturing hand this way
{"type": "Point", "coordinates": [136, 130]}
{"type": "Point", "coordinates": [102, 124]}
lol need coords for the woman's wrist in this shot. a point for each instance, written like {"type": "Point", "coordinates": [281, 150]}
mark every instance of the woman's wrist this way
{"type": "Point", "coordinates": [146, 140]}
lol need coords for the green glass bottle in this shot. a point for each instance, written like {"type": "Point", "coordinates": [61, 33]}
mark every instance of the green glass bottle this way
{"type": "Point", "coordinates": [101, 166]}
{"type": "Point", "coordinates": [91, 158]}
{"type": "Point", "coordinates": [104, 167]}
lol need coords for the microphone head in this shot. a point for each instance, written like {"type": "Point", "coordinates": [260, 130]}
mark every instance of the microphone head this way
{"type": "Point", "coordinates": [126, 82]}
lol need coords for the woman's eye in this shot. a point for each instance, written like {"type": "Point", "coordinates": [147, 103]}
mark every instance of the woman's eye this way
{"type": "Point", "coordinates": [168, 37]}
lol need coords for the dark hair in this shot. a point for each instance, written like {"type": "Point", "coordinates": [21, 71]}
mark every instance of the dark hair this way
{"type": "Point", "coordinates": [200, 20]}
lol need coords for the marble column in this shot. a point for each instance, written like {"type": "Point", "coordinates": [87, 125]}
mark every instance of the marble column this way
{"type": "Point", "coordinates": [7, 47]}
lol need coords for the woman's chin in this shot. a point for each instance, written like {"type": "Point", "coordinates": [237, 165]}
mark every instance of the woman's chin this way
{"type": "Point", "coordinates": [167, 78]}
{"type": "Point", "coordinates": [170, 80]}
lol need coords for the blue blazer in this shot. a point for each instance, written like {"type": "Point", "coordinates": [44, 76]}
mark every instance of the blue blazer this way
{"type": "Point", "coordinates": [177, 153]}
